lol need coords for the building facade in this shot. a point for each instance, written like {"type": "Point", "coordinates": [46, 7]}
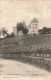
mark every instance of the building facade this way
{"type": "Point", "coordinates": [33, 27]}
{"type": "Point", "coordinates": [15, 31]}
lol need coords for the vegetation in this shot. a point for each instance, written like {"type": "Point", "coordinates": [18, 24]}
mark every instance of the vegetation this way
{"type": "Point", "coordinates": [22, 27]}
{"type": "Point", "coordinates": [25, 31]}
{"type": "Point", "coordinates": [19, 27]}
{"type": "Point", "coordinates": [45, 30]}
{"type": "Point", "coordinates": [10, 35]}
{"type": "Point", "coordinates": [4, 32]}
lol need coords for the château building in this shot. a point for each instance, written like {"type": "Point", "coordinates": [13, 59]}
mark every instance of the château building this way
{"type": "Point", "coordinates": [33, 27]}
{"type": "Point", "coordinates": [15, 31]}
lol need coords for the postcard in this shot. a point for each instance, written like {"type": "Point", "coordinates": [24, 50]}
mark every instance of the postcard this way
{"type": "Point", "coordinates": [25, 39]}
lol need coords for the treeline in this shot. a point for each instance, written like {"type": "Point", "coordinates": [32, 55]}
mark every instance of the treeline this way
{"type": "Point", "coordinates": [20, 27]}
{"type": "Point", "coordinates": [45, 30]}
{"type": "Point", "coordinates": [5, 33]}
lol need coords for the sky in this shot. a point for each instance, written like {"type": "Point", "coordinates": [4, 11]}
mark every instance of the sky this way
{"type": "Point", "coordinates": [13, 11]}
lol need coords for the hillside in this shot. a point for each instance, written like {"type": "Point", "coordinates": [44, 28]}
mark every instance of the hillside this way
{"type": "Point", "coordinates": [34, 49]}
{"type": "Point", "coordinates": [26, 43]}
{"type": "Point", "coordinates": [43, 40]}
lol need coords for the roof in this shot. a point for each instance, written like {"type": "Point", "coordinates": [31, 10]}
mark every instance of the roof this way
{"type": "Point", "coordinates": [35, 20]}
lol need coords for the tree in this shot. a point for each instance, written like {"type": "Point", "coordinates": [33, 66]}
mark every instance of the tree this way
{"type": "Point", "coordinates": [24, 24]}
{"type": "Point", "coordinates": [4, 32]}
{"type": "Point", "coordinates": [20, 27]}
{"type": "Point", "coordinates": [12, 34]}
{"type": "Point", "coordinates": [45, 30]}
{"type": "Point", "coordinates": [25, 31]}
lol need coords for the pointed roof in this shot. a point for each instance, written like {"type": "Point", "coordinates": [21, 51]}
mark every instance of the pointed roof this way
{"type": "Point", "coordinates": [35, 20]}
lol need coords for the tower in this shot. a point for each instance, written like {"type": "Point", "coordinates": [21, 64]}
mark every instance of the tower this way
{"type": "Point", "coordinates": [33, 28]}
{"type": "Point", "coordinates": [15, 31]}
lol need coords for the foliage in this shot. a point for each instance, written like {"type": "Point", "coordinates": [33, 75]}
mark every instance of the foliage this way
{"type": "Point", "coordinates": [4, 32]}
{"type": "Point", "coordinates": [45, 30]}
{"type": "Point", "coordinates": [10, 35]}
{"type": "Point", "coordinates": [19, 27]}
{"type": "Point", "coordinates": [22, 27]}
{"type": "Point", "coordinates": [25, 30]}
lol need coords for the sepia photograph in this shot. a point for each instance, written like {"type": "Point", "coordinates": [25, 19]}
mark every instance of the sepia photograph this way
{"type": "Point", "coordinates": [25, 39]}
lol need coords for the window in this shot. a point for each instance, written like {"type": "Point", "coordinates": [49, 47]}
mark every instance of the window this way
{"type": "Point", "coordinates": [35, 24]}
{"type": "Point", "coordinates": [33, 27]}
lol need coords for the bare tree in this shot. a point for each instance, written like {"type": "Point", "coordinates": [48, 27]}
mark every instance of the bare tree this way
{"type": "Point", "coordinates": [4, 32]}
